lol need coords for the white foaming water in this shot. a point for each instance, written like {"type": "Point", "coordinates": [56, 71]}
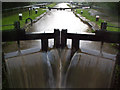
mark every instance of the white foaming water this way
{"type": "Point", "coordinates": [51, 70]}
{"type": "Point", "coordinates": [51, 78]}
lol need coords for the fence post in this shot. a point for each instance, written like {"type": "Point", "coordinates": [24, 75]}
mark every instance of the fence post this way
{"type": "Point", "coordinates": [75, 44]}
{"type": "Point", "coordinates": [103, 26]}
{"type": "Point", "coordinates": [119, 65]}
{"type": "Point", "coordinates": [56, 38]}
{"type": "Point", "coordinates": [119, 54]}
{"type": "Point", "coordinates": [29, 11]}
{"type": "Point", "coordinates": [63, 38]}
{"type": "Point", "coordinates": [17, 25]}
{"type": "Point", "coordinates": [44, 44]}
{"type": "Point", "coordinates": [4, 69]}
{"type": "Point", "coordinates": [17, 28]}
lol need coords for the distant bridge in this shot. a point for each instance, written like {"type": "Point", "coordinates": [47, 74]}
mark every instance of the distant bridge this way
{"type": "Point", "coordinates": [63, 8]}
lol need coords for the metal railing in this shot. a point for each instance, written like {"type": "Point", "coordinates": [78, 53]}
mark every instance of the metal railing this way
{"type": "Point", "coordinates": [6, 25]}
{"type": "Point", "coordinates": [104, 26]}
{"type": "Point", "coordinates": [113, 26]}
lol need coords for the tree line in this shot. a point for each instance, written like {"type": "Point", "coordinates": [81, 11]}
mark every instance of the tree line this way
{"type": "Point", "coordinates": [8, 5]}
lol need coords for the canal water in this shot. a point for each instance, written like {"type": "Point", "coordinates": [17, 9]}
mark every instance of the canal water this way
{"type": "Point", "coordinates": [90, 67]}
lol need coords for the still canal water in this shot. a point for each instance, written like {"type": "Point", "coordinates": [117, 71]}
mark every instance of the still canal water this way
{"type": "Point", "coordinates": [90, 68]}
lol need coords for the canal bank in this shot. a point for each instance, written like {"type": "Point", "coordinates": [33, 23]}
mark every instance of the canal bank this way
{"type": "Point", "coordinates": [91, 14]}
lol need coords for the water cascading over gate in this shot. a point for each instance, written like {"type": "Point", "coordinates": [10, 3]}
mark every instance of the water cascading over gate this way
{"type": "Point", "coordinates": [60, 67]}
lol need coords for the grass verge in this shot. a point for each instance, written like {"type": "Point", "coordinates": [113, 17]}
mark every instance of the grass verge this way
{"type": "Point", "coordinates": [12, 18]}
{"type": "Point", "coordinates": [93, 19]}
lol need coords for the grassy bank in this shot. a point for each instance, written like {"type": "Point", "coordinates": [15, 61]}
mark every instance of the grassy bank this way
{"type": "Point", "coordinates": [93, 19]}
{"type": "Point", "coordinates": [12, 18]}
